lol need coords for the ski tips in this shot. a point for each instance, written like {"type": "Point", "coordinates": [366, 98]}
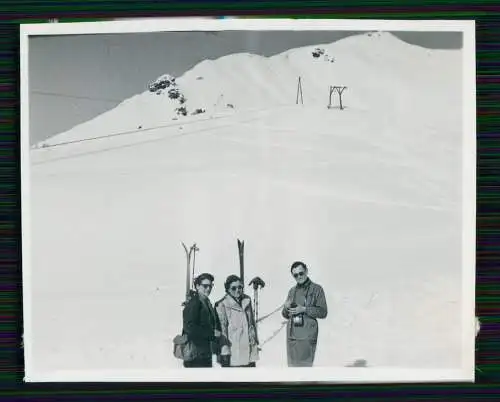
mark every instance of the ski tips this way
{"type": "Point", "coordinates": [194, 247]}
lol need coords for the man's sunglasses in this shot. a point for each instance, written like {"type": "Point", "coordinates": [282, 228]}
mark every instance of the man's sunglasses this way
{"type": "Point", "coordinates": [299, 274]}
{"type": "Point", "coordinates": [207, 285]}
{"type": "Point", "coordinates": [235, 288]}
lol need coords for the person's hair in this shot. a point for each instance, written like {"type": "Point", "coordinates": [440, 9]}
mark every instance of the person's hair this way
{"type": "Point", "coordinates": [298, 264]}
{"type": "Point", "coordinates": [203, 276]}
{"type": "Point", "coordinates": [231, 279]}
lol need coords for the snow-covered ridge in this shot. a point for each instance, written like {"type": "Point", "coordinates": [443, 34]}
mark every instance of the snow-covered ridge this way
{"type": "Point", "coordinates": [379, 70]}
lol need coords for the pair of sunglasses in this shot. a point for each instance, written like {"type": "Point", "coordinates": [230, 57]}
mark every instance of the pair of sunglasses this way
{"type": "Point", "coordinates": [234, 288]}
{"type": "Point", "coordinates": [299, 274]}
{"type": "Point", "coordinates": [207, 285]}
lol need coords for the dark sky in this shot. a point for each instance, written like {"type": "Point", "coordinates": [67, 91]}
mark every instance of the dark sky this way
{"type": "Point", "coordinates": [74, 78]}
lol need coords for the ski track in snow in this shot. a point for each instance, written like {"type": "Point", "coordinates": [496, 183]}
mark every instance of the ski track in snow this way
{"type": "Point", "coordinates": [358, 194]}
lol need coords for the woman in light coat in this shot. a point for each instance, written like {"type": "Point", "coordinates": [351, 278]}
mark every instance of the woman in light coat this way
{"type": "Point", "coordinates": [238, 328]}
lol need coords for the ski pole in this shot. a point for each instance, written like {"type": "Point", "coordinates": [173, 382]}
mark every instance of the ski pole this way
{"type": "Point", "coordinates": [256, 304]}
{"type": "Point", "coordinates": [256, 283]}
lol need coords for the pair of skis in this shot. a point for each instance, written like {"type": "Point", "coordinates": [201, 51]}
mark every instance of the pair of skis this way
{"type": "Point", "coordinates": [191, 252]}
{"type": "Point", "coordinates": [241, 250]}
{"type": "Point", "coordinates": [257, 283]}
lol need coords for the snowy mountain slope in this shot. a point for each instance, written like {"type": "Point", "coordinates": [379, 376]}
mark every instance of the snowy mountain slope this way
{"type": "Point", "coordinates": [406, 76]}
{"type": "Point", "coordinates": [359, 194]}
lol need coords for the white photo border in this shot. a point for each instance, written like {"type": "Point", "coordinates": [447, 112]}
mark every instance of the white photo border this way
{"type": "Point", "coordinates": [286, 375]}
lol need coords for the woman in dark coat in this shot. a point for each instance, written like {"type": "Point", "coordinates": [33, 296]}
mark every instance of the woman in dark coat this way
{"type": "Point", "coordinates": [201, 324]}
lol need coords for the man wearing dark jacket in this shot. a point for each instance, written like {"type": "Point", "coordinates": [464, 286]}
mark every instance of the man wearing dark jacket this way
{"type": "Point", "coordinates": [305, 304]}
{"type": "Point", "coordinates": [201, 323]}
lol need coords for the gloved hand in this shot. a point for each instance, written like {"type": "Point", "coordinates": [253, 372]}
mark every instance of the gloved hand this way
{"type": "Point", "coordinates": [225, 360]}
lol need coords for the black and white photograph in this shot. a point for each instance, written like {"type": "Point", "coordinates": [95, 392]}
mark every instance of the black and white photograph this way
{"type": "Point", "coordinates": [292, 198]}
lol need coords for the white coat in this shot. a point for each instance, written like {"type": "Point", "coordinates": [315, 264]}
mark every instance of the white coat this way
{"type": "Point", "coordinates": [238, 327]}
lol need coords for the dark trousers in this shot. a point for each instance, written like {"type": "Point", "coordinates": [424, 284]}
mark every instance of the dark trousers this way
{"type": "Point", "coordinates": [203, 362]}
{"type": "Point", "coordinates": [247, 365]}
{"type": "Point", "coordinates": [225, 362]}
